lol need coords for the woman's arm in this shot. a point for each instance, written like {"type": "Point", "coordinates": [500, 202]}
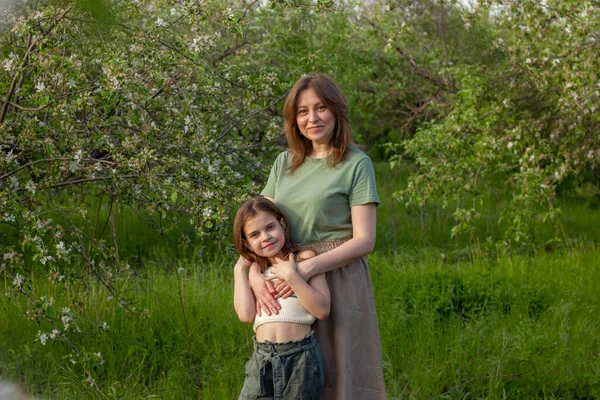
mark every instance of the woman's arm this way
{"type": "Point", "coordinates": [364, 221]}
{"type": "Point", "coordinates": [243, 299]}
{"type": "Point", "coordinates": [314, 296]}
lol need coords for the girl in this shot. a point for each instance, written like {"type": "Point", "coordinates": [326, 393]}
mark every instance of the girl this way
{"type": "Point", "coordinates": [286, 362]}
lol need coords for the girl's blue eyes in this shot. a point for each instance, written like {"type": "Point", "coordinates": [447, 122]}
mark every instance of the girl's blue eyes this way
{"type": "Point", "coordinates": [269, 228]}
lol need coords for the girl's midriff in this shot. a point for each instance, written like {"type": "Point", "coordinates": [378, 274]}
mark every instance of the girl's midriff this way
{"type": "Point", "coordinates": [281, 332]}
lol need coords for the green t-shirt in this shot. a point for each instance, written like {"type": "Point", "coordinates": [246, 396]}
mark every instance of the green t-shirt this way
{"type": "Point", "coordinates": [316, 198]}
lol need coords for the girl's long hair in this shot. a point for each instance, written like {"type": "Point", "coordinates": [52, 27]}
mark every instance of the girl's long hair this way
{"type": "Point", "coordinates": [331, 95]}
{"type": "Point", "coordinates": [248, 210]}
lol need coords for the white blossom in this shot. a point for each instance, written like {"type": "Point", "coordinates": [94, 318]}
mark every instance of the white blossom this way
{"type": "Point", "coordinates": [40, 86]}
{"type": "Point", "coordinates": [18, 281]}
{"type": "Point", "coordinates": [160, 22]}
{"type": "Point", "coordinates": [8, 65]}
{"type": "Point", "coordinates": [42, 337]}
{"type": "Point", "coordinates": [66, 320]}
{"type": "Point", "coordinates": [30, 186]}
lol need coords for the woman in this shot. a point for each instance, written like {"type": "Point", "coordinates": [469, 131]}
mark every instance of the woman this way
{"type": "Point", "coordinates": [326, 188]}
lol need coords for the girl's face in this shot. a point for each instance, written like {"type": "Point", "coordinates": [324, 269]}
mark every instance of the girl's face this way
{"type": "Point", "coordinates": [265, 235]}
{"type": "Point", "coordinates": [315, 120]}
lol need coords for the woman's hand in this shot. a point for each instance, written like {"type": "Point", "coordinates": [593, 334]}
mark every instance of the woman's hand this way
{"type": "Point", "coordinates": [284, 271]}
{"type": "Point", "coordinates": [282, 289]}
{"type": "Point", "coordinates": [242, 264]}
{"type": "Point", "coordinates": [263, 292]}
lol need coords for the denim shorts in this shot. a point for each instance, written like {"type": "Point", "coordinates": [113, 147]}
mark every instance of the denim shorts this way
{"type": "Point", "coordinates": [291, 370]}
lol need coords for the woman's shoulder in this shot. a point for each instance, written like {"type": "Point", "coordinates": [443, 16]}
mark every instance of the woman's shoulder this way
{"type": "Point", "coordinates": [283, 157]}
{"type": "Point", "coordinates": [355, 156]}
{"type": "Point", "coordinates": [356, 152]}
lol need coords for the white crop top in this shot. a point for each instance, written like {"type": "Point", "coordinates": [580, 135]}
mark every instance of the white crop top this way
{"type": "Point", "coordinates": [291, 311]}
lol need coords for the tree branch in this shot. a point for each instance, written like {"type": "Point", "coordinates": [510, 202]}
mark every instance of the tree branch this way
{"type": "Point", "coordinates": [51, 160]}
{"type": "Point", "coordinates": [416, 69]}
{"type": "Point", "coordinates": [30, 49]}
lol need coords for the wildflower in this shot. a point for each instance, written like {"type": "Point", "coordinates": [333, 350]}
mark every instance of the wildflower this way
{"type": "Point", "coordinates": [40, 86]}
{"type": "Point", "coordinates": [104, 326]}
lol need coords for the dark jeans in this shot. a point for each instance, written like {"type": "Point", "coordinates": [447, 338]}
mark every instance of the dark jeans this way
{"type": "Point", "coordinates": [291, 370]}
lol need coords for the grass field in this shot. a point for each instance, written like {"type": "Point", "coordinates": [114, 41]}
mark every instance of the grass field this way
{"type": "Point", "coordinates": [455, 322]}
{"type": "Point", "coordinates": [517, 328]}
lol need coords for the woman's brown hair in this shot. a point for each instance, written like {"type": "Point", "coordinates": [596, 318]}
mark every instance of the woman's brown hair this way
{"type": "Point", "coordinates": [248, 210]}
{"type": "Point", "coordinates": [332, 96]}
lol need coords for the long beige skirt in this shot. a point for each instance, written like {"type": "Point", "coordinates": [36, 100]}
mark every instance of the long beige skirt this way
{"type": "Point", "coordinates": [349, 337]}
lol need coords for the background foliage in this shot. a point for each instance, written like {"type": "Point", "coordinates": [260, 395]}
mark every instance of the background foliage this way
{"type": "Point", "coordinates": [130, 130]}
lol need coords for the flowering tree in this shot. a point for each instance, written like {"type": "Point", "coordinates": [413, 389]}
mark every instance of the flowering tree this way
{"type": "Point", "coordinates": [526, 113]}
{"type": "Point", "coordinates": [169, 108]}
{"type": "Point", "coordinates": [143, 106]}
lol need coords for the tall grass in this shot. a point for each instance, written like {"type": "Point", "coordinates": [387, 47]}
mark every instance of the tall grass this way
{"type": "Point", "coordinates": [515, 328]}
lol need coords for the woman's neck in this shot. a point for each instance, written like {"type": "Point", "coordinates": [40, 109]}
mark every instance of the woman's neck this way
{"type": "Point", "coordinates": [320, 150]}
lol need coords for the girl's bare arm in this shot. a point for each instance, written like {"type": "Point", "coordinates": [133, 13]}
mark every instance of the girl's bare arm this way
{"type": "Point", "coordinates": [243, 299]}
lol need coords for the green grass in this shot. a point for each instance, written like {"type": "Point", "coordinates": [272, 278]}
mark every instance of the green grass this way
{"type": "Point", "coordinates": [512, 328]}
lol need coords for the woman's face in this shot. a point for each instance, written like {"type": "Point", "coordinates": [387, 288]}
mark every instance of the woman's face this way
{"type": "Point", "coordinates": [315, 120]}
